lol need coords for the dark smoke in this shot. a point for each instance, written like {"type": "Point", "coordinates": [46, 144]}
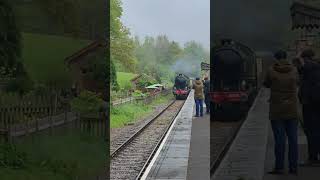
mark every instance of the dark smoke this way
{"type": "Point", "coordinates": [260, 24]}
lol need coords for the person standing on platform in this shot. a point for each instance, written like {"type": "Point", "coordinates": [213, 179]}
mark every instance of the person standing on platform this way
{"type": "Point", "coordinates": [309, 95]}
{"type": "Point", "coordinates": [206, 94]}
{"type": "Point", "coordinates": [282, 80]}
{"type": "Point", "coordinates": [198, 96]}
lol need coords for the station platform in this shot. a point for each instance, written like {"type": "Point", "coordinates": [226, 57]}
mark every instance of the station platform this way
{"type": "Point", "coordinates": [251, 155]}
{"type": "Point", "coordinates": [199, 154]}
{"type": "Point", "coordinates": [185, 151]}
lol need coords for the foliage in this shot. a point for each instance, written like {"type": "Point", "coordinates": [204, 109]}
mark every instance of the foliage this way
{"type": "Point", "coordinates": [20, 85]}
{"type": "Point", "coordinates": [98, 69]}
{"type": "Point", "coordinates": [11, 157]}
{"type": "Point", "coordinates": [40, 89]}
{"type": "Point", "coordinates": [190, 62]}
{"type": "Point", "coordinates": [138, 93]}
{"type": "Point", "coordinates": [78, 18]}
{"type": "Point", "coordinates": [10, 41]}
{"type": "Point", "coordinates": [88, 103]}
{"type": "Point", "coordinates": [129, 113]}
{"type": "Point", "coordinates": [123, 79]}
{"type": "Point", "coordinates": [121, 45]}
{"type": "Point", "coordinates": [62, 156]}
{"type": "Point", "coordinates": [156, 56]}
{"type": "Point", "coordinates": [113, 77]}
{"type": "Point", "coordinates": [64, 14]}
{"type": "Point", "coordinates": [145, 81]}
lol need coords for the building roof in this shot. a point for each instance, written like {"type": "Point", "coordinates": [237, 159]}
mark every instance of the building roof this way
{"type": "Point", "coordinates": [136, 78]}
{"type": "Point", "coordinates": [145, 76]}
{"type": "Point", "coordinates": [305, 16]}
{"type": "Point", "coordinates": [76, 57]}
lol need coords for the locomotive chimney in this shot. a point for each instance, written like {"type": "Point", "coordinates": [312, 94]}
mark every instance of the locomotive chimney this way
{"type": "Point", "coordinates": [226, 42]}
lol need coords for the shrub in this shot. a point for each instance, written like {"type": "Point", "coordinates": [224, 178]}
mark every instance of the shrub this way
{"type": "Point", "coordinates": [138, 93]}
{"type": "Point", "coordinates": [87, 103]}
{"type": "Point", "coordinates": [10, 157]}
{"type": "Point", "coordinates": [19, 85]}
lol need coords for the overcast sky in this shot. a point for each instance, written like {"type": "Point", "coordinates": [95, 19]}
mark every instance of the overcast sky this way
{"type": "Point", "coordinates": [180, 20]}
{"type": "Point", "coordinates": [260, 24]}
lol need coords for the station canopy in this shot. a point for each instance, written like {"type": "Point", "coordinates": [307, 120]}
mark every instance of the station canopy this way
{"type": "Point", "coordinates": [305, 15]}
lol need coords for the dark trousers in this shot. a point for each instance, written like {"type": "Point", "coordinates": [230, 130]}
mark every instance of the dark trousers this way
{"type": "Point", "coordinates": [207, 102]}
{"type": "Point", "coordinates": [280, 129]}
{"type": "Point", "coordinates": [311, 121]}
{"type": "Point", "coordinates": [199, 107]}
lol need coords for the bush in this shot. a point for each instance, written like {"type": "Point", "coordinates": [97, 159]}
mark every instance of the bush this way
{"type": "Point", "coordinates": [138, 93]}
{"type": "Point", "coordinates": [19, 85]}
{"type": "Point", "coordinates": [10, 157]}
{"type": "Point", "coordinates": [40, 89]}
{"type": "Point", "coordinates": [87, 103]}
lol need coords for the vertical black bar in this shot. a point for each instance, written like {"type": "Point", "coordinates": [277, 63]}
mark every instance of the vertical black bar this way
{"type": "Point", "coordinates": [211, 59]}
{"type": "Point", "coordinates": [107, 114]}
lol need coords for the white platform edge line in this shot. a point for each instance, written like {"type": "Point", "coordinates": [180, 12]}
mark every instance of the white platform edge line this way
{"type": "Point", "coordinates": [155, 157]}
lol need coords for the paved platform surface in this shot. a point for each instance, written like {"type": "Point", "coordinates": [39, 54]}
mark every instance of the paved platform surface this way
{"type": "Point", "coordinates": [304, 173]}
{"type": "Point", "coordinates": [251, 155]}
{"type": "Point", "coordinates": [246, 156]}
{"type": "Point", "coordinates": [172, 162]}
{"type": "Point", "coordinates": [199, 155]}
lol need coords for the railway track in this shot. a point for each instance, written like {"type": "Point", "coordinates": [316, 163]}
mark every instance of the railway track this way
{"type": "Point", "coordinates": [222, 135]}
{"type": "Point", "coordinates": [119, 136]}
{"type": "Point", "coordinates": [129, 159]}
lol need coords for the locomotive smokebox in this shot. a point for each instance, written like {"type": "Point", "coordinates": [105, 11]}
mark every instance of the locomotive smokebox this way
{"type": "Point", "coordinates": [227, 64]}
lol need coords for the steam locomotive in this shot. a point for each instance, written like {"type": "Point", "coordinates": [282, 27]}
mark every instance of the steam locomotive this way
{"type": "Point", "coordinates": [181, 87]}
{"type": "Point", "coordinates": [235, 77]}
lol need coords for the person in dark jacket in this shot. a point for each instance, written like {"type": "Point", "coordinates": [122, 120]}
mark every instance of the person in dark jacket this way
{"type": "Point", "coordinates": [198, 96]}
{"type": "Point", "coordinates": [206, 93]}
{"type": "Point", "coordinates": [282, 80]}
{"type": "Point", "coordinates": [309, 69]}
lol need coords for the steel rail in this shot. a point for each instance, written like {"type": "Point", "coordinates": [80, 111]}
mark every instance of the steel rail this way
{"type": "Point", "coordinates": [138, 132]}
{"type": "Point", "coordinates": [158, 145]}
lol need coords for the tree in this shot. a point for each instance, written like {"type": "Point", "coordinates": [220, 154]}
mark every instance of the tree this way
{"type": "Point", "coordinates": [10, 42]}
{"type": "Point", "coordinates": [113, 76]}
{"type": "Point", "coordinates": [62, 14]}
{"type": "Point", "coordinates": [190, 62]}
{"type": "Point", "coordinates": [11, 50]}
{"type": "Point", "coordinates": [156, 56]}
{"type": "Point", "coordinates": [121, 44]}
{"type": "Point", "coordinates": [175, 52]}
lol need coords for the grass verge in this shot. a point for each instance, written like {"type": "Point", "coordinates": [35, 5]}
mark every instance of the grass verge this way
{"type": "Point", "coordinates": [124, 78]}
{"type": "Point", "coordinates": [44, 55]}
{"type": "Point", "coordinates": [128, 113]}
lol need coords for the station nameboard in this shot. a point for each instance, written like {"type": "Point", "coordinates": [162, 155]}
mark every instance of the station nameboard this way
{"type": "Point", "coordinates": [205, 66]}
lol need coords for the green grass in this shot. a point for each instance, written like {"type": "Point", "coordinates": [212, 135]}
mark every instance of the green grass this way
{"type": "Point", "coordinates": [128, 113]}
{"type": "Point", "coordinates": [73, 149]}
{"type": "Point", "coordinates": [44, 55]}
{"type": "Point", "coordinates": [124, 78]}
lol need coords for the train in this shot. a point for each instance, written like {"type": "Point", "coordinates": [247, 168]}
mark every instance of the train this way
{"type": "Point", "coordinates": [235, 73]}
{"type": "Point", "coordinates": [182, 86]}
